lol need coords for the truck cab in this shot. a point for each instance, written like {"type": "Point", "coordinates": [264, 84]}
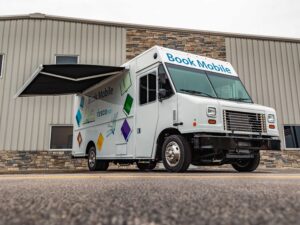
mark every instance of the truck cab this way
{"type": "Point", "coordinates": [214, 120]}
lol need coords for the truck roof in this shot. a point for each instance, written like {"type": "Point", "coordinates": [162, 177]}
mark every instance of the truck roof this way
{"type": "Point", "coordinates": [167, 55]}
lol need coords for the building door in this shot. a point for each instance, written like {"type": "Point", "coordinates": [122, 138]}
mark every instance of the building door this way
{"type": "Point", "coordinates": [146, 113]}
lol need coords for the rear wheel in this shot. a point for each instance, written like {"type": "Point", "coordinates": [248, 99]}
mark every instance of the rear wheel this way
{"type": "Point", "coordinates": [94, 164]}
{"type": "Point", "coordinates": [146, 166]}
{"type": "Point", "coordinates": [176, 154]}
{"type": "Point", "coordinates": [247, 165]}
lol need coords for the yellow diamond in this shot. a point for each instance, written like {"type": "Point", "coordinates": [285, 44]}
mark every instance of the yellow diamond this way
{"type": "Point", "coordinates": [100, 141]}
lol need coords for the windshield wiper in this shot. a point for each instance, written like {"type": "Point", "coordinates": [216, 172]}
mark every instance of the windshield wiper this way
{"type": "Point", "coordinates": [197, 93]}
{"type": "Point", "coordinates": [238, 99]}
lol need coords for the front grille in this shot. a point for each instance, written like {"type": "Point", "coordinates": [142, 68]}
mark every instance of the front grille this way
{"type": "Point", "coordinates": [242, 121]}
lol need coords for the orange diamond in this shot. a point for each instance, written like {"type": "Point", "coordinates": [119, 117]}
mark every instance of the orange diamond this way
{"type": "Point", "coordinates": [100, 141]}
{"type": "Point", "coordinates": [79, 139]}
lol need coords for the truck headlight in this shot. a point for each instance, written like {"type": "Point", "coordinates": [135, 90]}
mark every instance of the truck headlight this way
{"type": "Point", "coordinates": [211, 112]}
{"type": "Point", "coordinates": [271, 118]}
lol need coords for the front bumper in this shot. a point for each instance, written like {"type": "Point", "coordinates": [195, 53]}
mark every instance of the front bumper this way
{"type": "Point", "coordinates": [204, 141]}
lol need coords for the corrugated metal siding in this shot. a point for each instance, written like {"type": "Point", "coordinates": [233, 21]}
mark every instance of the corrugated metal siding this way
{"type": "Point", "coordinates": [270, 71]}
{"type": "Point", "coordinates": [25, 122]}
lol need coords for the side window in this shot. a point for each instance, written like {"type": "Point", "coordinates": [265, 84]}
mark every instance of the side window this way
{"type": "Point", "coordinates": [66, 59]}
{"type": "Point", "coordinates": [147, 88]}
{"type": "Point", "coordinates": [292, 136]}
{"type": "Point", "coordinates": [164, 82]}
{"type": "Point", "coordinates": [152, 87]}
{"type": "Point", "coordinates": [143, 89]}
{"type": "Point", "coordinates": [61, 137]}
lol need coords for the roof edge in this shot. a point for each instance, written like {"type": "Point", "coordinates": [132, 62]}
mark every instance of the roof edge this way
{"type": "Point", "coordinates": [142, 26]}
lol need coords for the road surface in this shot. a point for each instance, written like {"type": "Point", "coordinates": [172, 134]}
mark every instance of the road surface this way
{"type": "Point", "coordinates": [132, 197]}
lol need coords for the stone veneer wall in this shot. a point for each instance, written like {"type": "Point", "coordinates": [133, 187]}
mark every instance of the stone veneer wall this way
{"type": "Point", "coordinates": [139, 40]}
{"type": "Point", "coordinates": [22, 161]}
{"type": "Point", "coordinates": [43, 161]}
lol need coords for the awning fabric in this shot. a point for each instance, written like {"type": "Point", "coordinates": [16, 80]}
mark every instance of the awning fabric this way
{"type": "Point", "coordinates": [66, 79]}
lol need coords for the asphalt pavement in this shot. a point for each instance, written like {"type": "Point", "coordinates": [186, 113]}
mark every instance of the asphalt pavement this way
{"type": "Point", "coordinates": [133, 197]}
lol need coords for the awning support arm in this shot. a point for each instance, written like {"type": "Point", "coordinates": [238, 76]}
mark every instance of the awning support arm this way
{"type": "Point", "coordinates": [79, 79]}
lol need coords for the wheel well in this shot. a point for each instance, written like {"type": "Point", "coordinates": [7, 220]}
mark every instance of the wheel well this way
{"type": "Point", "coordinates": [89, 145]}
{"type": "Point", "coordinates": [161, 138]}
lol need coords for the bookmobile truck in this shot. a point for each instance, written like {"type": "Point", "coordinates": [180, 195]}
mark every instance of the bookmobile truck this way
{"type": "Point", "coordinates": [163, 105]}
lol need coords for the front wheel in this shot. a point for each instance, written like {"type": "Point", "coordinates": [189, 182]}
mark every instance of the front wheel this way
{"type": "Point", "coordinates": [176, 154]}
{"type": "Point", "coordinates": [247, 165]}
{"type": "Point", "coordinates": [94, 164]}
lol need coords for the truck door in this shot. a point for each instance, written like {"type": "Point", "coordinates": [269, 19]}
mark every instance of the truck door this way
{"type": "Point", "coordinates": [146, 113]}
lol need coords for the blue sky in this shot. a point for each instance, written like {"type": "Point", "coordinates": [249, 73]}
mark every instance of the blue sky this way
{"type": "Point", "coordinates": [262, 17]}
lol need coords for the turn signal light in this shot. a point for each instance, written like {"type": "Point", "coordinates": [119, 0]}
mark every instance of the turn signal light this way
{"type": "Point", "coordinates": [272, 126]}
{"type": "Point", "coordinates": [211, 121]}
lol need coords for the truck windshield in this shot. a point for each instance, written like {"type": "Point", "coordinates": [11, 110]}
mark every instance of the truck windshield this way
{"type": "Point", "coordinates": [198, 82]}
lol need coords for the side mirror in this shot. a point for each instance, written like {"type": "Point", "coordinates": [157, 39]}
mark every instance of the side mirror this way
{"type": "Point", "coordinates": [162, 93]}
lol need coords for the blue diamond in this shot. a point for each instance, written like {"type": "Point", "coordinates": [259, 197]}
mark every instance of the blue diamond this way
{"type": "Point", "coordinates": [78, 117]}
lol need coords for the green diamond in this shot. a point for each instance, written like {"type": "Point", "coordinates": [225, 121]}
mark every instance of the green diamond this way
{"type": "Point", "coordinates": [125, 83]}
{"type": "Point", "coordinates": [128, 104]}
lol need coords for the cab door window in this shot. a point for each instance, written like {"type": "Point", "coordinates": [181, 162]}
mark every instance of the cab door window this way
{"type": "Point", "coordinates": [147, 90]}
{"type": "Point", "coordinates": [164, 81]}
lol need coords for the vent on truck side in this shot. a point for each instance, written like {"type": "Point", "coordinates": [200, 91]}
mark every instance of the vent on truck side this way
{"type": "Point", "coordinates": [246, 122]}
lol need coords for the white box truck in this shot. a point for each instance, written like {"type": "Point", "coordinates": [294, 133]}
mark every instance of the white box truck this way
{"type": "Point", "coordinates": [163, 105]}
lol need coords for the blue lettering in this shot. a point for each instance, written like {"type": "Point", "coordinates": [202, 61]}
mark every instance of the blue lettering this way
{"type": "Point", "coordinates": [227, 70]}
{"type": "Point", "coordinates": [191, 62]}
{"type": "Point", "coordinates": [178, 60]}
{"type": "Point", "coordinates": [216, 67]}
{"type": "Point", "coordinates": [201, 64]}
{"type": "Point", "coordinates": [170, 57]}
{"type": "Point", "coordinates": [210, 66]}
{"type": "Point", "coordinates": [185, 61]}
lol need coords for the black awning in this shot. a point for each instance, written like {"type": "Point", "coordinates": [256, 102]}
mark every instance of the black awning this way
{"type": "Point", "coordinates": [66, 79]}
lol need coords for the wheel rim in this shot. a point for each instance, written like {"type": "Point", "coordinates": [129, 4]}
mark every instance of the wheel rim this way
{"type": "Point", "coordinates": [172, 154]}
{"type": "Point", "coordinates": [92, 159]}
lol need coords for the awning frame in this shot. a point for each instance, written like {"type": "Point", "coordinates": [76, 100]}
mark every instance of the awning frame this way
{"type": "Point", "coordinates": [41, 67]}
{"type": "Point", "coordinates": [25, 85]}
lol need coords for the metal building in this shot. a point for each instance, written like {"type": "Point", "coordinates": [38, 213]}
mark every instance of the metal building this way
{"type": "Point", "coordinates": [268, 66]}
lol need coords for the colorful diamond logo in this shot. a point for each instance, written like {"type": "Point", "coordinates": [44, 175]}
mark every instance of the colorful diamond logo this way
{"type": "Point", "coordinates": [126, 130]}
{"type": "Point", "coordinates": [128, 104]}
{"type": "Point", "coordinates": [78, 117]}
{"type": "Point", "coordinates": [79, 139]}
{"type": "Point", "coordinates": [100, 141]}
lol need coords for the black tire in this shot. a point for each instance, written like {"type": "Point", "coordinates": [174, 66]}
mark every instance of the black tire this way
{"type": "Point", "coordinates": [146, 166]}
{"type": "Point", "coordinates": [247, 165]}
{"type": "Point", "coordinates": [172, 146]}
{"type": "Point", "coordinates": [94, 164]}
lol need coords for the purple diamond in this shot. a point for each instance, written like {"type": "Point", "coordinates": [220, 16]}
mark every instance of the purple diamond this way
{"type": "Point", "coordinates": [126, 130]}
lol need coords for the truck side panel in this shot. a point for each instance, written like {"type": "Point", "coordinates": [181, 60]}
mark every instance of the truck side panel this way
{"type": "Point", "coordinates": [107, 119]}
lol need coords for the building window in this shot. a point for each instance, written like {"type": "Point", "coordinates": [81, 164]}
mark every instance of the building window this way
{"type": "Point", "coordinates": [147, 88]}
{"type": "Point", "coordinates": [292, 136]}
{"type": "Point", "coordinates": [61, 137]}
{"type": "Point", "coordinates": [66, 59]}
{"type": "Point", "coordinates": [1, 64]}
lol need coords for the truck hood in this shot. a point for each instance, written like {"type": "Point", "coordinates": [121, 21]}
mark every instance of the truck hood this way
{"type": "Point", "coordinates": [193, 110]}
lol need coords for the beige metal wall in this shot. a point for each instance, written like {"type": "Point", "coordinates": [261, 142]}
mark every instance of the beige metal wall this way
{"type": "Point", "coordinates": [26, 43]}
{"type": "Point", "coordinates": [270, 71]}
